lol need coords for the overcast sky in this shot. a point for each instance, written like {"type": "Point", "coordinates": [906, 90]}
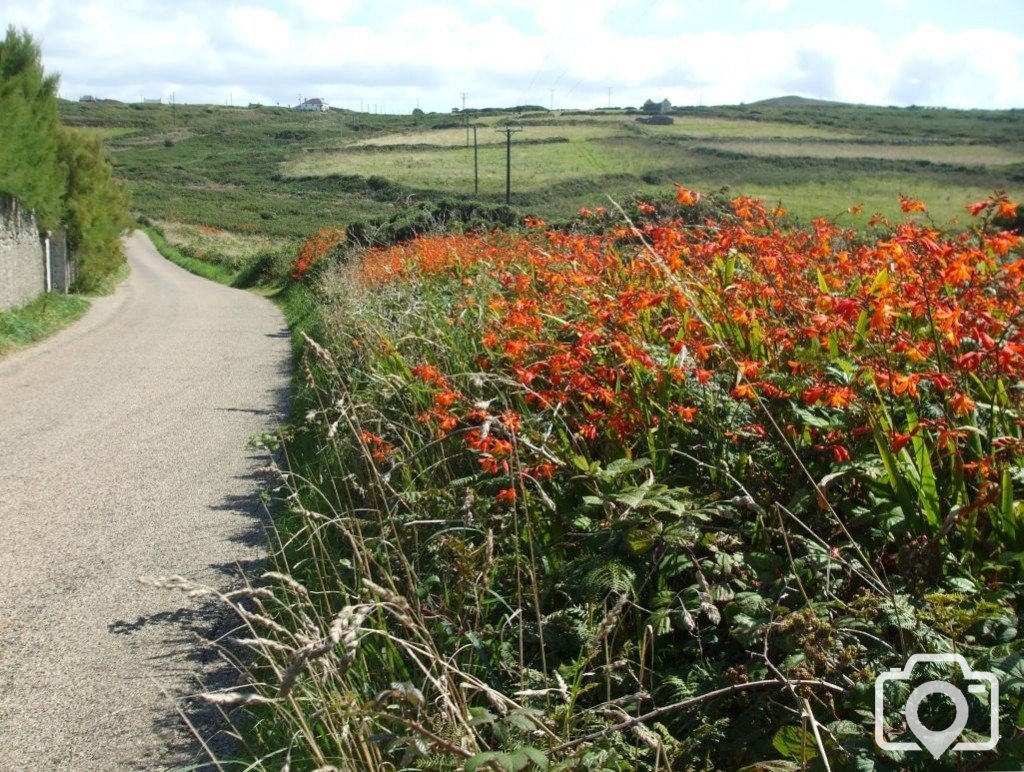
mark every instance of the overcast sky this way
{"type": "Point", "coordinates": [393, 55]}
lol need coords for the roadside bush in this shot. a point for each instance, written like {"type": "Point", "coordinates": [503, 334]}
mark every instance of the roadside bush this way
{"type": "Point", "coordinates": [62, 174]}
{"type": "Point", "coordinates": [30, 167]}
{"type": "Point", "coordinates": [95, 208]}
{"type": "Point", "coordinates": [448, 215]}
{"type": "Point", "coordinates": [268, 268]}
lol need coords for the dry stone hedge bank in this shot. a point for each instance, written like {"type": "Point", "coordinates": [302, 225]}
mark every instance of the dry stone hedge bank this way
{"type": "Point", "coordinates": [22, 256]}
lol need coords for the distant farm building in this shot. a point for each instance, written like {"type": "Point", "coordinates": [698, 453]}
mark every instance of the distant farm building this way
{"type": "Point", "coordinates": [314, 105]}
{"type": "Point", "coordinates": [88, 98]}
{"type": "Point", "coordinates": [659, 108]}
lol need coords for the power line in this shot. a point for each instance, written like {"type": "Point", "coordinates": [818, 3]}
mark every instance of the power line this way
{"type": "Point", "coordinates": [632, 27]}
{"type": "Point", "coordinates": [465, 118]}
{"type": "Point", "coordinates": [560, 37]}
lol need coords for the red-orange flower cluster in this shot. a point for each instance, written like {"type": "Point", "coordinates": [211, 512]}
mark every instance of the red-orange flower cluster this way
{"type": "Point", "coordinates": [625, 333]}
{"type": "Point", "coordinates": [315, 248]}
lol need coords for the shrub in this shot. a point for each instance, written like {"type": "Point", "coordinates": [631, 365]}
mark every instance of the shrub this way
{"type": "Point", "coordinates": [29, 164]}
{"type": "Point", "coordinates": [95, 206]}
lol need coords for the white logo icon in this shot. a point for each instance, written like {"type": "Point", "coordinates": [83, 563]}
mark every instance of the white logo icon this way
{"type": "Point", "coordinates": [938, 742]}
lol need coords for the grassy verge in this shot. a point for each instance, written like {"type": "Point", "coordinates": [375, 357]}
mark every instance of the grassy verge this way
{"type": "Point", "coordinates": [204, 268]}
{"type": "Point", "coordinates": [41, 318]}
{"type": "Point", "coordinates": [51, 312]}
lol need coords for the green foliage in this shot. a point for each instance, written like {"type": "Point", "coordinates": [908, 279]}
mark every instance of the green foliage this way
{"type": "Point", "coordinates": [63, 175]}
{"type": "Point", "coordinates": [95, 208]}
{"type": "Point", "coordinates": [204, 268]}
{"type": "Point", "coordinates": [265, 270]}
{"type": "Point", "coordinates": [42, 317]}
{"type": "Point", "coordinates": [446, 215]}
{"type": "Point", "coordinates": [30, 168]}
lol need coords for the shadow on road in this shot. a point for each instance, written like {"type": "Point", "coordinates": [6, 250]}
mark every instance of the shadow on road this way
{"type": "Point", "coordinates": [198, 636]}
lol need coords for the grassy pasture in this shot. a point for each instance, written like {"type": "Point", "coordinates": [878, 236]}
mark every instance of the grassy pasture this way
{"type": "Point", "coordinates": [488, 134]}
{"type": "Point", "coordinates": [556, 178]}
{"type": "Point", "coordinates": [576, 128]}
{"type": "Point", "coordinates": [962, 154]}
{"type": "Point", "coordinates": [695, 126]}
{"type": "Point", "coordinates": [278, 173]}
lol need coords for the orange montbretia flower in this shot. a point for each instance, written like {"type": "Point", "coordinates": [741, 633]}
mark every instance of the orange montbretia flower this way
{"type": "Point", "coordinates": [978, 207]}
{"type": "Point", "coordinates": [315, 248]}
{"type": "Point", "coordinates": [911, 205]}
{"type": "Point", "coordinates": [687, 197]}
{"type": "Point", "coordinates": [961, 404]}
{"type": "Point", "coordinates": [1008, 208]}
{"type": "Point", "coordinates": [506, 495]}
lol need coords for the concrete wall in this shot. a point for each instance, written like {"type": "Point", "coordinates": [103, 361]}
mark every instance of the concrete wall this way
{"type": "Point", "coordinates": [22, 268]}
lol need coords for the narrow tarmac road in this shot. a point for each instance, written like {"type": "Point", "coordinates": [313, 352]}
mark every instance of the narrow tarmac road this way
{"type": "Point", "coordinates": [123, 454]}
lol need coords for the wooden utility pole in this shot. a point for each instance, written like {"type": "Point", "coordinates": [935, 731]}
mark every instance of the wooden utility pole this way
{"type": "Point", "coordinates": [508, 131]}
{"type": "Point", "coordinates": [465, 117]}
{"type": "Point", "coordinates": [476, 165]}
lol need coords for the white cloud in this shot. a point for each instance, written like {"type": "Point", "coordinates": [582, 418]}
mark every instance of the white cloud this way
{"type": "Point", "coordinates": [505, 52]}
{"type": "Point", "coordinates": [769, 6]}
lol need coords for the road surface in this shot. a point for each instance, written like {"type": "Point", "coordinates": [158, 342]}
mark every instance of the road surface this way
{"type": "Point", "coordinates": [123, 453]}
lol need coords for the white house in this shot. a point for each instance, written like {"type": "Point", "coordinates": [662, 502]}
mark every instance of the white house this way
{"type": "Point", "coordinates": [314, 105]}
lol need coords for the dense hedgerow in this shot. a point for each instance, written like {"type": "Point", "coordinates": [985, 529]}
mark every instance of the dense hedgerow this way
{"type": "Point", "coordinates": [29, 130]}
{"type": "Point", "coordinates": [95, 208]}
{"type": "Point", "coordinates": [61, 174]}
{"type": "Point", "coordinates": [659, 491]}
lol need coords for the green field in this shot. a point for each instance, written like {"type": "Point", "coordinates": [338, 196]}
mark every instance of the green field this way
{"type": "Point", "coordinates": [275, 173]}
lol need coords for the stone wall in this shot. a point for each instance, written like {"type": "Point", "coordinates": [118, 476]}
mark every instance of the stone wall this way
{"type": "Point", "coordinates": [22, 260]}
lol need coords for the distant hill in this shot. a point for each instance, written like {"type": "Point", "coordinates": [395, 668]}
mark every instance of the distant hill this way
{"type": "Point", "coordinates": [798, 101]}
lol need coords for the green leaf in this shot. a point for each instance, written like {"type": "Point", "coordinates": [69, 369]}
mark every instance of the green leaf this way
{"type": "Point", "coordinates": [536, 757]}
{"type": "Point", "coordinates": [730, 267]}
{"type": "Point", "coordinates": [581, 463]}
{"type": "Point", "coordinates": [481, 759]}
{"type": "Point", "coordinates": [631, 498]}
{"type": "Point", "coordinates": [822, 284]}
{"type": "Point", "coordinates": [795, 742]}
{"type": "Point", "coordinates": [862, 324]}
{"type": "Point", "coordinates": [927, 491]}
{"type": "Point", "coordinates": [481, 716]}
{"type": "Point", "coordinates": [961, 584]}
{"type": "Point", "coordinates": [1006, 514]}
{"type": "Point", "coordinates": [881, 279]}
{"type": "Point", "coordinates": [904, 493]}
{"type": "Point", "coordinates": [521, 719]}
{"type": "Point", "coordinates": [641, 540]}
{"type": "Point", "coordinates": [623, 466]}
